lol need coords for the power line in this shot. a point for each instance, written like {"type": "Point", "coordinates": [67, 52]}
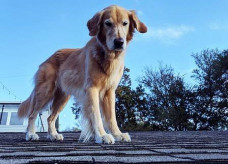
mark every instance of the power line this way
{"type": "Point", "coordinates": [9, 91]}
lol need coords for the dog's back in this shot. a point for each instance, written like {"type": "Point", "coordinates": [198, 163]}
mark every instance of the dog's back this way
{"type": "Point", "coordinates": [47, 73]}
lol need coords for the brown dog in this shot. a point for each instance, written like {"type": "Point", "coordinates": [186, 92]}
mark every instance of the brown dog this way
{"type": "Point", "coordinates": [91, 74]}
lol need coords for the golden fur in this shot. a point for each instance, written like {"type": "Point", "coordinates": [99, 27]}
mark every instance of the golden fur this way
{"type": "Point", "coordinates": [91, 74]}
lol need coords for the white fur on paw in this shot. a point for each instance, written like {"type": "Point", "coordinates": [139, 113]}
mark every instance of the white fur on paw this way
{"type": "Point", "coordinates": [31, 137]}
{"type": "Point", "coordinates": [125, 137]}
{"type": "Point", "coordinates": [55, 137]}
{"type": "Point", "coordinates": [106, 139]}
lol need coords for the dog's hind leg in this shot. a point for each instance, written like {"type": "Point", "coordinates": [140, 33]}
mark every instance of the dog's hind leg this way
{"type": "Point", "coordinates": [43, 94]}
{"type": "Point", "coordinates": [59, 101]}
{"type": "Point", "coordinates": [31, 129]}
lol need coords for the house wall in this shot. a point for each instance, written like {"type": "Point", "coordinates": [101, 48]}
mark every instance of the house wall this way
{"type": "Point", "coordinates": [11, 123]}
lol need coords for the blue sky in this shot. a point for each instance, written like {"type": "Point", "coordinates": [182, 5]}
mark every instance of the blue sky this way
{"type": "Point", "coordinates": [31, 31]}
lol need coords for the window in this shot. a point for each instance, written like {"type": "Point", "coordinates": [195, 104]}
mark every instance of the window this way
{"type": "Point", "coordinates": [14, 120]}
{"type": "Point", "coordinates": [3, 118]}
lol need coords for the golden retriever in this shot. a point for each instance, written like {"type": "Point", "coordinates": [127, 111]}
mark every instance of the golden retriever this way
{"type": "Point", "coordinates": [91, 74]}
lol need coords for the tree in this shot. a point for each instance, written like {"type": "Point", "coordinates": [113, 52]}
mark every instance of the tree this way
{"type": "Point", "coordinates": [144, 115]}
{"type": "Point", "coordinates": [76, 109]}
{"type": "Point", "coordinates": [211, 92]}
{"type": "Point", "coordinates": [168, 98]}
{"type": "Point", "coordinates": [132, 109]}
{"type": "Point", "coordinates": [125, 106]}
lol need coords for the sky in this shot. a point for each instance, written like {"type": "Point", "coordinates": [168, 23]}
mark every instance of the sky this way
{"type": "Point", "coordinates": [31, 31]}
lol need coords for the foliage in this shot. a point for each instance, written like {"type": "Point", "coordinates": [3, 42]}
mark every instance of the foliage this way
{"type": "Point", "coordinates": [76, 109]}
{"type": "Point", "coordinates": [124, 102]}
{"type": "Point", "coordinates": [211, 91]}
{"type": "Point", "coordinates": [168, 98]}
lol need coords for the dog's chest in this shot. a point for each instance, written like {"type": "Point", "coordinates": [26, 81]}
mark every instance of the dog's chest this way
{"type": "Point", "coordinates": [111, 80]}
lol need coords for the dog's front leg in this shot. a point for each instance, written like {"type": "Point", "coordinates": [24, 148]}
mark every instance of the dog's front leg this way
{"type": "Point", "coordinates": [108, 107]}
{"type": "Point", "coordinates": [94, 116]}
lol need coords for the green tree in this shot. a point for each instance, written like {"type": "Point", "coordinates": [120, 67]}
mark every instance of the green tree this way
{"type": "Point", "coordinates": [168, 98]}
{"type": "Point", "coordinates": [211, 91]}
{"type": "Point", "coordinates": [143, 112]}
{"type": "Point", "coordinates": [76, 109]}
{"type": "Point", "coordinates": [125, 105]}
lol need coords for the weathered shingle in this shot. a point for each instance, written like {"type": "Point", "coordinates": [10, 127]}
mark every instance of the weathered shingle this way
{"type": "Point", "coordinates": [146, 147]}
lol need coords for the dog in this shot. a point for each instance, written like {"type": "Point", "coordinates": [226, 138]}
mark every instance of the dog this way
{"type": "Point", "coordinates": [91, 74]}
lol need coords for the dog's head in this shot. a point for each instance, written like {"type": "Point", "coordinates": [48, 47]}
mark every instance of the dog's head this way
{"type": "Point", "coordinates": [114, 27]}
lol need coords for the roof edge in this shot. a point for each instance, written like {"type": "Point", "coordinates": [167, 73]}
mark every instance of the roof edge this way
{"type": "Point", "coordinates": [10, 102]}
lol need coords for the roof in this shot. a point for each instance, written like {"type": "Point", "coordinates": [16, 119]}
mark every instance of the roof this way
{"type": "Point", "coordinates": [10, 102]}
{"type": "Point", "coordinates": [146, 147]}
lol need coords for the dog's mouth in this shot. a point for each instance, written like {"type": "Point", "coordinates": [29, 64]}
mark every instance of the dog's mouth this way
{"type": "Point", "coordinates": [119, 49]}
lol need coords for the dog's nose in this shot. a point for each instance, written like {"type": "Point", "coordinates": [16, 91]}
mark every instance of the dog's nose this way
{"type": "Point", "coordinates": [118, 43]}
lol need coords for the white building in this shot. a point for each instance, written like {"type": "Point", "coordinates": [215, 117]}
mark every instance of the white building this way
{"type": "Point", "coordinates": [9, 122]}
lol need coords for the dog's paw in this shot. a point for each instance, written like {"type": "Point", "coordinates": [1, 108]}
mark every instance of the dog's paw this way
{"type": "Point", "coordinates": [55, 137]}
{"type": "Point", "coordinates": [31, 137]}
{"type": "Point", "coordinates": [106, 139]}
{"type": "Point", "coordinates": [125, 137]}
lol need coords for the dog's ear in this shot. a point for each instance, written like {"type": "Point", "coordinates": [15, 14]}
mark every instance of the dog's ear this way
{"type": "Point", "coordinates": [93, 23]}
{"type": "Point", "coordinates": [140, 27]}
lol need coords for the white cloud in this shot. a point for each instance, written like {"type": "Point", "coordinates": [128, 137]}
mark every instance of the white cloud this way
{"type": "Point", "coordinates": [218, 26]}
{"type": "Point", "coordinates": [168, 35]}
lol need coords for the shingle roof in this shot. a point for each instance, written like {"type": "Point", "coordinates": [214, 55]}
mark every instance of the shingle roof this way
{"type": "Point", "coordinates": [146, 147]}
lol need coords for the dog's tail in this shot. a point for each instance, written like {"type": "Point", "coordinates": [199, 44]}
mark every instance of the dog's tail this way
{"type": "Point", "coordinates": [26, 106]}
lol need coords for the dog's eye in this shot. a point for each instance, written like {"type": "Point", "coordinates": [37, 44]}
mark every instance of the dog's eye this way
{"type": "Point", "coordinates": [107, 23]}
{"type": "Point", "coordinates": [125, 23]}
